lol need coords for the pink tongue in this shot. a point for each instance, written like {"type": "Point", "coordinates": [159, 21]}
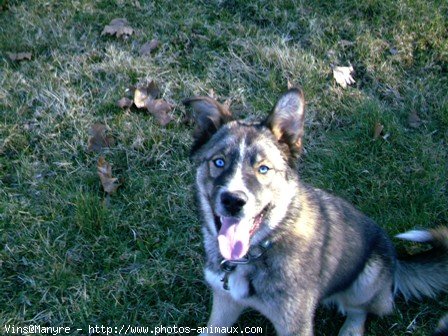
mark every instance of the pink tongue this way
{"type": "Point", "coordinates": [233, 238]}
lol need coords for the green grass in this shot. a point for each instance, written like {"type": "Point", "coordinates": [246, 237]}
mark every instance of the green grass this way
{"type": "Point", "coordinates": [69, 257]}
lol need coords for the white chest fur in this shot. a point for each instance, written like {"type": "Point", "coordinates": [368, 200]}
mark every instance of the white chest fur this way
{"type": "Point", "coordinates": [237, 282]}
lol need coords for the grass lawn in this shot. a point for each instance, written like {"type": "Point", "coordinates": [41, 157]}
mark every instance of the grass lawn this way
{"type": "Point", "coordinates": [72, 256]}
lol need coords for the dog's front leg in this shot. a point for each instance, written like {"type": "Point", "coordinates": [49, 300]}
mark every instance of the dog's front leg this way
{"type": "Point", "coordinates": [302, 326]}
{"type": "Point", "coordinates": [294, 317]}
{"type": "Point", "coordinates": [225, 312]}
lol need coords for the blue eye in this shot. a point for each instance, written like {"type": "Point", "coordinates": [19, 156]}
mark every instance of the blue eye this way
{"type": "Point", "coordinates": [263, 169]}
{"type": "Point", "coordinates": [219, 163]}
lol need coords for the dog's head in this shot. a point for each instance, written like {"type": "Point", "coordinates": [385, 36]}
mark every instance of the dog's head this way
{"type": "Point", "coordinates": [246, 175]}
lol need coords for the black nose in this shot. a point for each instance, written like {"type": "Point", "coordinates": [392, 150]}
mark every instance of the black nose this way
{"type": "Point", "coordinates": [233, 201]}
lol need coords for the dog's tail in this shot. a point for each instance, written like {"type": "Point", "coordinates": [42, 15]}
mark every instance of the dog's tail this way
{"type": "Point", "coordinates": [424, 273]}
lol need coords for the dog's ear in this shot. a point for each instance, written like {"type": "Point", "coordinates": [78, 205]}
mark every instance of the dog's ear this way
{"type": "Point", "coordinates": [287, 118]}
{"type": "Point", "coordinates": [209, 115]}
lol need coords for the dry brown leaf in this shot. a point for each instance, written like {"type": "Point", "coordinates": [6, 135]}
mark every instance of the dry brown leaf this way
{"type": "Point", "coordinates": [110, 184]}
{"type": "Point", "coordinates": [119, 27]}
{"type": "Point", "coordinates": [142, 93]}
{"type": "Point", "coordinates": [21, 56]}
{"type": "Point", "coordinates": [145, 97]}
{"type": "Point", "coordinates": [99, 138]}
{"type": "Point", "coordinates": [140, 96]}
{"type": "Point", "coordinates": [343, 75]}
{"type": "Point", "coordinates": [212, 94]}
{"type": "Point", "coordinates": [377, 131]}
{"type": "Point", "coordinates": [414, 120]}
{"type": "Point", "coordinates": [153, 90]}
{"type": "Point", "coordinates": [149, 47]}
{"type": "Point", "coordinates": [125, 102]}
{"type": "Point", "coordinates": [159, 108]}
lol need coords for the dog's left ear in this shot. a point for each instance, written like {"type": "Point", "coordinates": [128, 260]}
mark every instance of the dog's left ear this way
{"type": "Point", "coordinates": [287, 118]}
{"type": "Point", "coordinates": [209, 115]}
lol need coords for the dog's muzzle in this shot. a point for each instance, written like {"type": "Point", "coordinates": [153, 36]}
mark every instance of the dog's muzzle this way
{"type": "Point", "coordinates": [233, 202]}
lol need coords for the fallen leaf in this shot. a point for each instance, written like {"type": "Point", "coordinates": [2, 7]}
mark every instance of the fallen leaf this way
{"type": "Point", "coordinates": [414, 120]}
{"type": "Point", "coordinates": [153, 89]}
{"type": "Point", "coordinates": [142, 93]}
{"type": "Point", "coordinates": [149, 47]}
{"type": "Point", "coordinates": [377, 131]}
{"type": "Point", "coordinates": [99, 138]}
{"type": "Point", "coordinates": [21, 56]}
{"type": "Point", "coordinates": [140, 96]}
{"type": "Point", "coordinates": [343, 76]}
{"type": "Point", "coordinates": [125, 102]}
{"type": "Point", "coordinates": [110, 184]}
{"type": "Point", "coordinates": [146, 97]}
{"type": "Point", "coordinates": [159, 108]}
{"type": "Point", "coordinates": [119, 27]}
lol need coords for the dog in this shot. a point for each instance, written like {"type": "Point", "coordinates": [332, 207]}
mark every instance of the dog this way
{"type": "Point", "coordinates": [280, 246]}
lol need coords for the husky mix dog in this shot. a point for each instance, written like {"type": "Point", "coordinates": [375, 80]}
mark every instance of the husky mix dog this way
{"type": "Point", "coordinates": [280, 246]}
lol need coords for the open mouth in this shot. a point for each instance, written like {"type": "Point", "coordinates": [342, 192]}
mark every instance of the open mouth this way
{"type": "Point", "coordinates": [234, 234]}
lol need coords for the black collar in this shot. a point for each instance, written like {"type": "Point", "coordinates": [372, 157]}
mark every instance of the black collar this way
{"type": "Point", "coordinates": [255, 253]}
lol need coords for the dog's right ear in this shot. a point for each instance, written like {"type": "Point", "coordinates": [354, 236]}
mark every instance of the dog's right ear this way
{"type": "Point", "coordinates": [209, 116]}
{"type": "Point", "coordinates": [287, 118]}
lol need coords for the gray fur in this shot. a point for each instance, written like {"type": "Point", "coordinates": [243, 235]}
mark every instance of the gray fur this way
{"type": "Point", "coordinates": [426, 273]}
{"type": "Point", "coordinates": [323, 249]}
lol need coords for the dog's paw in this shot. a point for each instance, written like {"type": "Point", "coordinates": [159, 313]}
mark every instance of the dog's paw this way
{"type": "Point", "coordinates": [351, 332]}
